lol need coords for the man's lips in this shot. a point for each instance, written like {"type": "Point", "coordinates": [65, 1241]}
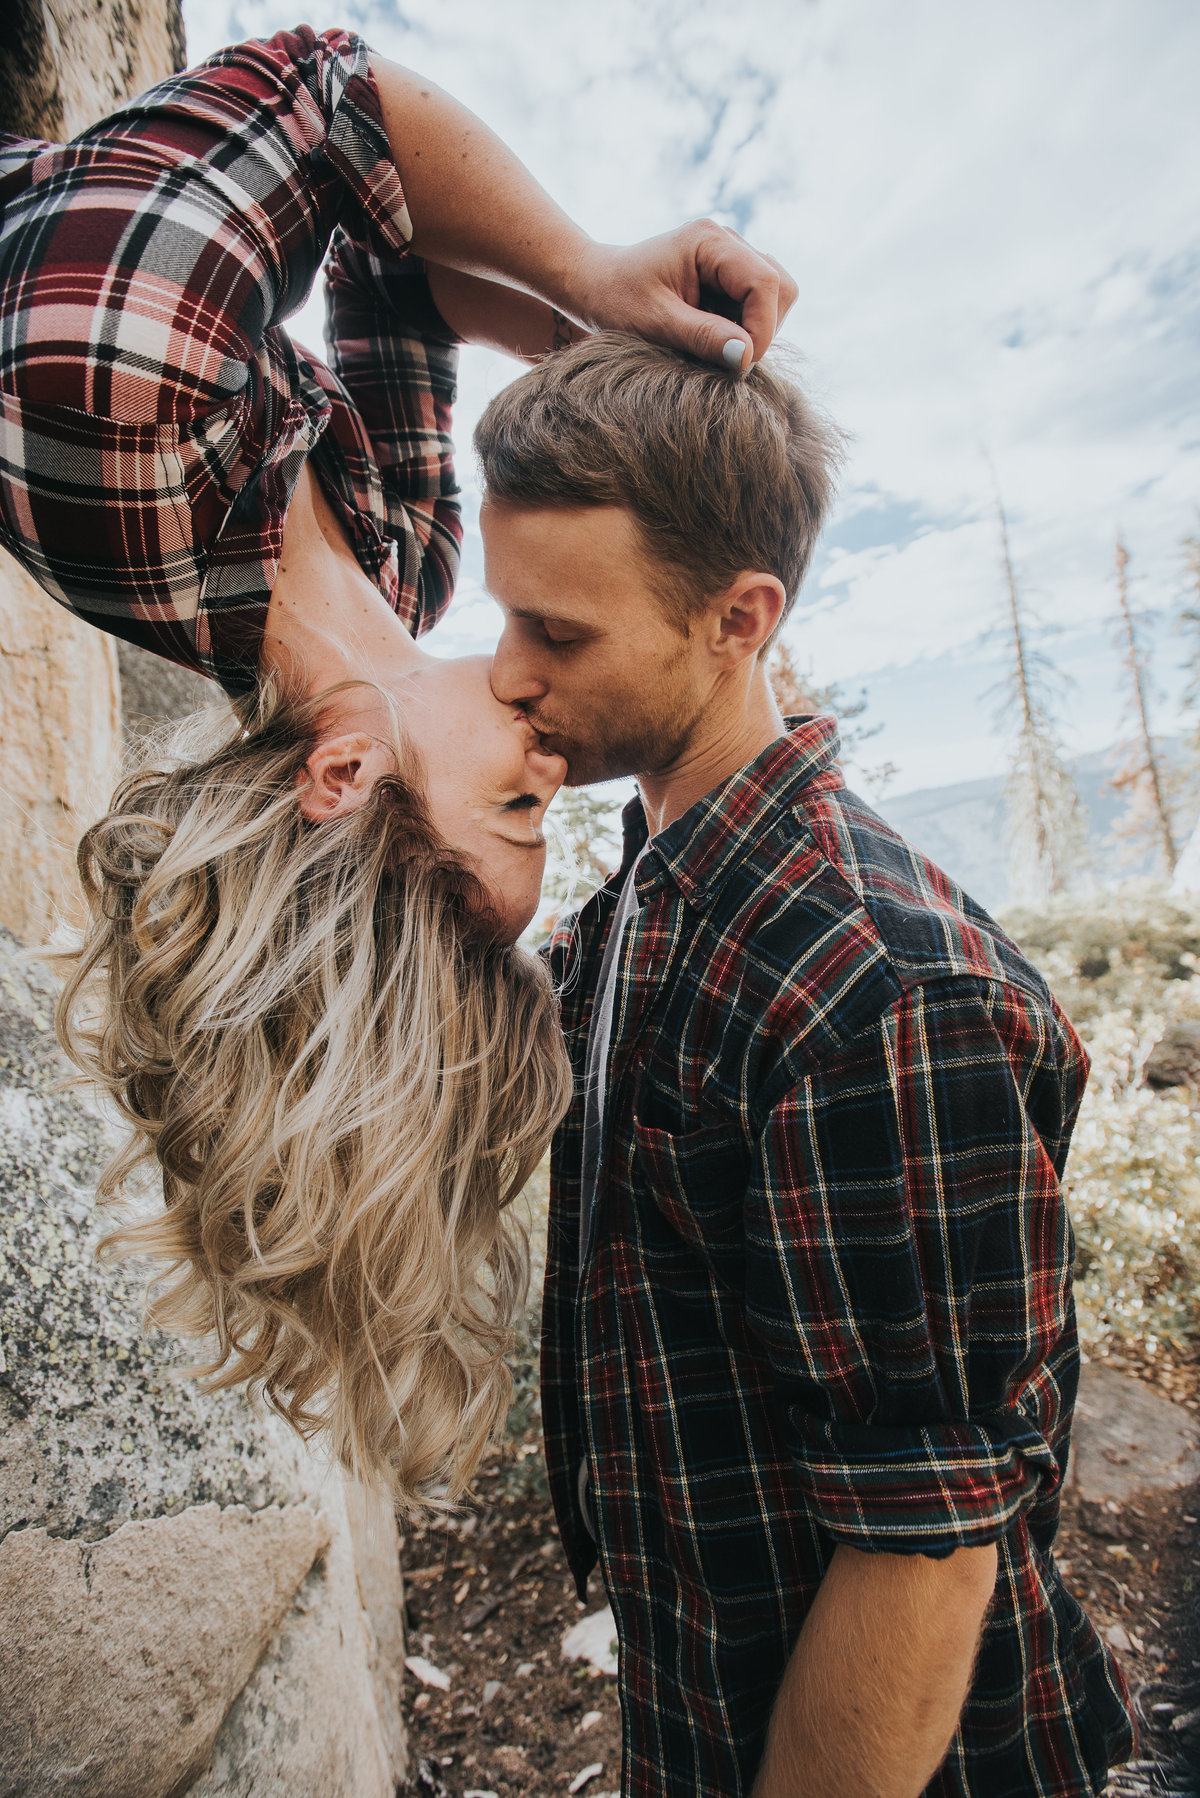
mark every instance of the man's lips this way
{"type": "Point", "coordinates": [548, 738]}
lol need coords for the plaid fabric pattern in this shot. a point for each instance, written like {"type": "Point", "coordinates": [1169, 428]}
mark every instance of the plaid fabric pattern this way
{"type": "Point", "coordinates": [826, 1297]}
{"type": "Point", "coordinates": [155, 415]}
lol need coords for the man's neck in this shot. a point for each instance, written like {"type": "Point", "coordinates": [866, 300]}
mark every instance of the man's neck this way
{"type": "Point", "coordinates": [726, 738]}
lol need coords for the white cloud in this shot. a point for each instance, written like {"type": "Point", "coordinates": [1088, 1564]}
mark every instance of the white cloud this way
{"type": "Point", "coordinates": [992, 216]}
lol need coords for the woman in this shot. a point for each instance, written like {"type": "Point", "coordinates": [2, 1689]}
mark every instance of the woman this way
{"type": "Point", "coordinates": [300, 981]}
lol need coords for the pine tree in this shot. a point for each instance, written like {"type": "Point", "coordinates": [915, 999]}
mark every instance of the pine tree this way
{"type": "Point", "coordinates": [1145, 775]}
{"type": "Point", "coordinates": [1047, 825]}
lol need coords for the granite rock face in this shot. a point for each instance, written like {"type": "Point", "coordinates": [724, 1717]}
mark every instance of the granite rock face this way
{"type": "Point", "coordinates": [328, 1654]}
{"type": "Point", "coordinates": [190, 1601]}
{"type": "Point", "coordinates": [123, 1656]}
{"type": "Point", "coordinates": [63, 65]}
{"type": "Point", "coordinates": [58, 777]}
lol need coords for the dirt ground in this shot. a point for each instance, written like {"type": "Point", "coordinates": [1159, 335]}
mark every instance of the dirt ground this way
{"type": "Point", "coordinates": [518, 1718]}
{"type": "Point", "coordinates": [1136, 1570]}
{"type": "Point", "coordinates": [489, 1600]}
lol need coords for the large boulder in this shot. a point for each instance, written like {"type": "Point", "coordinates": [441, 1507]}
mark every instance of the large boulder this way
{"type": "Point", "coordinates": [191, 1602]}
{"type": "Point", "coordinates": [1128, 1439]}
{"type": "Point", "coordinates": [66, 63]}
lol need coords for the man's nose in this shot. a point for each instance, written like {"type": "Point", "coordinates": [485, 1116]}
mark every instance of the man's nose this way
{"type": "Point", "coordinates": [515, 680]}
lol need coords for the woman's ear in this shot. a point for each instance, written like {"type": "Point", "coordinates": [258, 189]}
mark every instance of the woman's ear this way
{"type": "Point", "coordinates": [339, 775]}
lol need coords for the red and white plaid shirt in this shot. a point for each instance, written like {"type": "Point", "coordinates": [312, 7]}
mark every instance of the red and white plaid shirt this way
{"type": "Point", "coordinates": [154, 415]}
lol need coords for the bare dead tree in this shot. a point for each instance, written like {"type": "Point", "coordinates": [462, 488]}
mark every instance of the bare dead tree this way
{"type": "Point", "coordinates": [1189, 624]}
{"type": "Point", "coordinates": [798, 693]}
{"type": "Point", "coordinates": [1145, 775]}
{"type": "Point", "coordinates": [1047, 824]}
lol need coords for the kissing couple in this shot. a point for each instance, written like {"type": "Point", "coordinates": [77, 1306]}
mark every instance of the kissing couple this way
{"type": "Point", "coordinates": [809, 1352]}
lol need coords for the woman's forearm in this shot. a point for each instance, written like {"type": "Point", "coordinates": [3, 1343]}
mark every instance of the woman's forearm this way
{"type": "Point", "coordinates": [476, 209]}
{"type": "Point", "coordinates": [499, 317]}
{"type": "Point", "coordinates": [474, 205]}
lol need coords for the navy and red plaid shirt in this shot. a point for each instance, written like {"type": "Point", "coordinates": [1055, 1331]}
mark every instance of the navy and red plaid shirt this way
{"type": "Point", "coordinates": [154, 415]}
{"type": "Point", "coordinates": [827, 1293]}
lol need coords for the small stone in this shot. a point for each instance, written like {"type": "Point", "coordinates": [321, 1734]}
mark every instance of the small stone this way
{"type": "Point", "coordinates": [492, 1690]}
{"type": "Point", "coordinates": [588, 1721]}
{"type": "Point", "coordinates": [582, 1778]}
{"type": "Point", "coordinates": [593, 1639]}
{"type": "Point", "coordinates": [1118, 1638]}
{"type": "Point", "coordinates": [127, 1445]}
{"type": "Point", "coordinates": [426, 1672]}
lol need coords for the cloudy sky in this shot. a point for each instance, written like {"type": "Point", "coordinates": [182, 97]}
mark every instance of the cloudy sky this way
{"type": "Point", "coordinates": [992, 214]}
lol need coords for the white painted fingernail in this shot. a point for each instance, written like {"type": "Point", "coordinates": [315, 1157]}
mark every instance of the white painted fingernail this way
{"type": "Point", "coordinates": [734, 353]}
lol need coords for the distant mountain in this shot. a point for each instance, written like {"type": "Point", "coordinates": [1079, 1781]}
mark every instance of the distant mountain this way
{"type": "Point", "coordinates": [962, 827]}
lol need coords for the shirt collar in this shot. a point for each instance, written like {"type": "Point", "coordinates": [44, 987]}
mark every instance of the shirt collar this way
{"type": "Point", "coordinates": [697, 850]}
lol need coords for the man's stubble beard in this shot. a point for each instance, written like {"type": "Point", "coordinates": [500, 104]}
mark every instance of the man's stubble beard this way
{"type": "Point", "coordinates": [641, 745]}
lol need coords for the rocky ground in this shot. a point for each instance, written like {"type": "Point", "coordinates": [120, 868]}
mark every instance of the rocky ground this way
{"type": "Point", "coordinates": [1129, 1548]}
{"type": "Point", "coordinates": [489, 1603]}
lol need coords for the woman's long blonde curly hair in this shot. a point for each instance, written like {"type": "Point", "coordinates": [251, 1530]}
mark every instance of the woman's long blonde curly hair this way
{"type": "Point", "coordinates": [344, 1077]}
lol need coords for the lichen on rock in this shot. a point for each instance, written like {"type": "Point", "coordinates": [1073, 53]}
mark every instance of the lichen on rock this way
{"type": "Point", "coordinates": [99, 1421]}
{"type": "Point", "coordinates": [188, 1596]}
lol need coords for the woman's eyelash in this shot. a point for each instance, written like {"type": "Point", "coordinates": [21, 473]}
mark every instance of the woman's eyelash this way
{"type": "Point", "coordinates": [525, 803]}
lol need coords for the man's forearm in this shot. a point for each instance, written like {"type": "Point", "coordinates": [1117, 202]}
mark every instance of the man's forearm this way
{"type": "Point", "coordinates": [874, 1688]}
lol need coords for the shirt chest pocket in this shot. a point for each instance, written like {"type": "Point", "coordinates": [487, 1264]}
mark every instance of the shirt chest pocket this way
{"type": "Point", "coordinates": [697, 1181]}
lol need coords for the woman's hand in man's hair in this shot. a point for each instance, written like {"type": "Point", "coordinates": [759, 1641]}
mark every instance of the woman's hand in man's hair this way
{"type": "Point", "coordinates": [475, 209]}
{"type": "Point", "coordinates": [700, 288]}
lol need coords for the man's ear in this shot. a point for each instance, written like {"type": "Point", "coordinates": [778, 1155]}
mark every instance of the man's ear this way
{"type": "Point", "coordinates": [747, 612]}
{"type": "Point", "coordinates": [339, 775]}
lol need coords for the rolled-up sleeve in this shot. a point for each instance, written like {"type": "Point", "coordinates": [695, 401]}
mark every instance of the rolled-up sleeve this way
{"type": "Point", "coordinates": [908, 1269]}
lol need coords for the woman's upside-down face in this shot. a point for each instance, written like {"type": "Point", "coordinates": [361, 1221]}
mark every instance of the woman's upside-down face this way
{"type": "Point", "coordinates": [486, 776]}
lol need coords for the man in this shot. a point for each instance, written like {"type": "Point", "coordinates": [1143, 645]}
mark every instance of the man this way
{"type": "Point", "coordinates": [809, 1349]}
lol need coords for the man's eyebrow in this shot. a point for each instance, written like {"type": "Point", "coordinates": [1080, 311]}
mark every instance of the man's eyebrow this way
{"type": "Point", "coordinates": [543, 615]}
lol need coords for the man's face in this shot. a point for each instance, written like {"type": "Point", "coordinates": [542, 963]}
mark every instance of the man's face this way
{"type": "Point", "coordinates": [589, 649]}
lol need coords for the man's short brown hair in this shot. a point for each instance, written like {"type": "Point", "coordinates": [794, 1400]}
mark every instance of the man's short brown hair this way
{"type": "Point", "coordinates": [723, 474]}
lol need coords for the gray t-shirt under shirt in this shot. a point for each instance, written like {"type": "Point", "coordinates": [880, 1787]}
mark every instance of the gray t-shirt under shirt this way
{"type": "Point", "coordinates": [595, 1071]}
{"type": "Point", "coordinates": [596, 1056]}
